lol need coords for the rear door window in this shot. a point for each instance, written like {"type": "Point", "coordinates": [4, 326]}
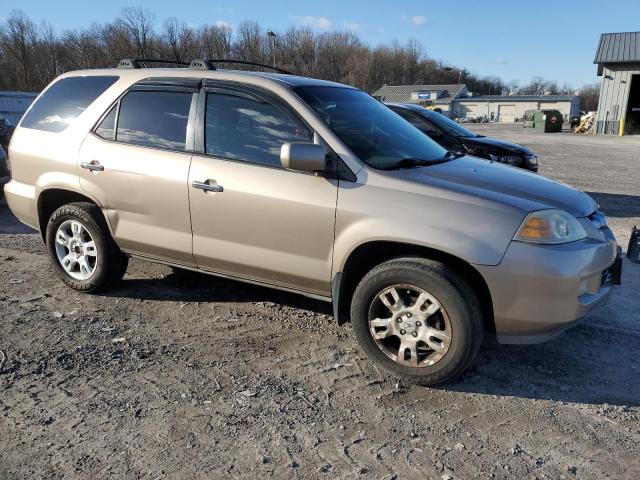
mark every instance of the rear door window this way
{"type": "Point", "coordinates": [154, 119]}
{"type": "Point", "coordinates": [64, 101]}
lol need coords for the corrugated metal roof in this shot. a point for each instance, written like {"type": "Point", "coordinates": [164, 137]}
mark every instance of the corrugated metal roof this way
{"type": "Point", "coordinates": [402, 93]}
{"type": "Point", "coordinates": [518, 98]}
{"type": "Point", "coordinates": [618, 47]}
{"type": "Point", "coordinates": [14, 104]}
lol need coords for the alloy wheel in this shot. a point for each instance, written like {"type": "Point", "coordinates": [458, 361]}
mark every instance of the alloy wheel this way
{"type": "Point", "coordinates": [409, 325]}
{"type": "Point", "coordinates": [76, 250]}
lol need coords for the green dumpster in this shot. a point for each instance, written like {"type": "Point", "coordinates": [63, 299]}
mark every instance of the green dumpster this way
{"type": "Point", "coordinates": [543, 121]}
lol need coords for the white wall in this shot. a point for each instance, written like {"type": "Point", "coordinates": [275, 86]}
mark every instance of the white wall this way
{"type": "Point", "coordinates": [471, 108]}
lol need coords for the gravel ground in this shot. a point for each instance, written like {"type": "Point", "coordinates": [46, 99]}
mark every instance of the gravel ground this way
{"type": "Point", "coordinates": [180, 375]}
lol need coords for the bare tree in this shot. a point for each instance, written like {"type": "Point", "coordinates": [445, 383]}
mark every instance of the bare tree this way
{"type": "Point", "coordinates": [178, 41]}
{"type": "Point", "coordinates": [298, 50]}
{"type": "Point", "coordinates": [19, 39]}
{"type": "Point", "coordinates": [589, 95]}
{"type": "Point", "coordinates": [31, 55]}
{"type": "Point", "coordinates": [250, 43]}
{"type": "Point", "coordinates": [138, 23]}
{"type": "Point", "coordinates": [83, 48]}
{"type": "Point", "coordinates": [214, 41]}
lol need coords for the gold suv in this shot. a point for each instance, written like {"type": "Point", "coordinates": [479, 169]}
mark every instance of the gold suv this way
{"type": "Point", "coordinates": [313, 187]}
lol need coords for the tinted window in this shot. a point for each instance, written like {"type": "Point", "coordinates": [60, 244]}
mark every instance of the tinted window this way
{"type": "Point", "coordinates": [249, 129]}
{"type": "Point", "coordinates": [372, 131]}
{"type": "Point", "coordinates": [107, 128]}
{"type": "Point", "coordinates": [415, 119]}
{"type": "Point", "coordinates": [64, 101]}
{"type": "Point", "coordinates": [154, 119]}
{"type": "Point", "coordinates": [446, 124]}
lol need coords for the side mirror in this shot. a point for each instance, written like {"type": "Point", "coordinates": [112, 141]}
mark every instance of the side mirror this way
{"type": "Point", "coordinates": [303, 157]}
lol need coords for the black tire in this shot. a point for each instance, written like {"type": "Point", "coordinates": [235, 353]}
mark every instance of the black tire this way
{"type": "Point", "coordinates": [111, 263]}
{"type": "Point", "coordinates": [452, 292]}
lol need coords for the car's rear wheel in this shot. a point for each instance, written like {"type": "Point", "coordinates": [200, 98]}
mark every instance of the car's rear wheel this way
{"type": "Point", "coordinates": [81, 249]}
{"type": "Point", "coordinates": [417, 319]}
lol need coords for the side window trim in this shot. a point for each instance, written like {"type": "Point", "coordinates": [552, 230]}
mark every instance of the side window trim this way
{"type": "Point", "coordinates": [255, 93]}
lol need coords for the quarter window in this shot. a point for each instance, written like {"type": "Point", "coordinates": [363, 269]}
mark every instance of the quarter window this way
{"type": "Point", "coordinates": [107, 128]}
{"type": "Point", "coordinates": [154, 119]}
{"type": "Point", "coordinates": [249, 129]}
{"type": "Point", "coordinates": [64, 101]}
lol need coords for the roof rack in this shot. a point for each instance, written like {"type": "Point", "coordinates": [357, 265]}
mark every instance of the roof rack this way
{"type": "Point", "coordinates": [199, 64]}
{"type": "Point", "coordinates": [140, 62]}
{"type": "Point", "coordinates": [209, 64]}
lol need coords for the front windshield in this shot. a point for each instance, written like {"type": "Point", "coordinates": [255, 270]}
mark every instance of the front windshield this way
{"type": "Point", "coordinates": [446, 124]}
{"type": "Point", "coordinates": [378, 136]}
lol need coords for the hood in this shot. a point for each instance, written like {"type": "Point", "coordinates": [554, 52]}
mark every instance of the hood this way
{"type": "Point", "coordinates": [503, 184]}
{"type": "Point", "coordinates": [494, 144]}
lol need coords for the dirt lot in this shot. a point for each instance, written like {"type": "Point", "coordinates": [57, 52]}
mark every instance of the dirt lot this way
{"type": "Point", "coordinates": [178, 375]}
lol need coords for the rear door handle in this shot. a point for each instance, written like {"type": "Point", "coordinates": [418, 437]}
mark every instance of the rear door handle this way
{"type": "Point", "coordinates": [94, 166]}
{"type": "Point", "coordinates": [207, 187]}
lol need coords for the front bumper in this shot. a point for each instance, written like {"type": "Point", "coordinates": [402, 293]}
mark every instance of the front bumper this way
{"type": "Point", "coordinates": [538, 291]}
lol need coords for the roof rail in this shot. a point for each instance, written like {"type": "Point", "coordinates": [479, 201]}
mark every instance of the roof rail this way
{"type": "Point", "coordinates": [209, 64]}
{"type": "Point", "coordinates": [140, 62]}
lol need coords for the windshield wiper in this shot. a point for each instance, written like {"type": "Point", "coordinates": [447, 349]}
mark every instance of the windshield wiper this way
{"type": "Point", "coordinates": [411, 162]}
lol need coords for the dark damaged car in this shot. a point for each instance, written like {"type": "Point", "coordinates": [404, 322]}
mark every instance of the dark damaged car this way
{"type": "Point", "coordinates": [455, 138]}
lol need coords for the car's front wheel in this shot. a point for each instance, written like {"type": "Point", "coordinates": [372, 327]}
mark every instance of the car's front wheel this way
{"type": "Point", "coordinates": [81, 249]}
{"type": "Point", "coordinates": [417, 319]}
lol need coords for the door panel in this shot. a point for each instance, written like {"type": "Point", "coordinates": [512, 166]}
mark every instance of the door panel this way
{"type": "Point", "coordinates": [145, 196]}
{"type": "Point", "coordinates": [268, 224]}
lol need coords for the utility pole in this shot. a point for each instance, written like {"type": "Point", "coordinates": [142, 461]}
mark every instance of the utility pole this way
{"type": "Point", "coordinates": [272, 37]}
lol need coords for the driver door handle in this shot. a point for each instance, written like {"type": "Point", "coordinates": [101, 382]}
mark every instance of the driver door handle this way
{"type": "Point", "coordinates": [94, 166]}
{"type": "Point", "coordinates": [207, 187]}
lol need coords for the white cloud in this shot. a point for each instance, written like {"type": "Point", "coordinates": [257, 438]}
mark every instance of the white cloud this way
{"type": "Point", "coordinates": [419, 20]}
{"type": "Point", "coordinates": [223, 24]}
{"type": "Point", "coordinates": [321, 23]}
{"type": "Point", "coordinates": [353, 26]}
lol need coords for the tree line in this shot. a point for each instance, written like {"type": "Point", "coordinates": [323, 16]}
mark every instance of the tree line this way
{"type": "Point", "coordinates": [32, 55]}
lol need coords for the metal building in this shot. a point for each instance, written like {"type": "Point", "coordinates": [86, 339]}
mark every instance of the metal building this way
{"type": "Point", "coordinates": [618, 60]}
{"type": "Point", "coordinates": [439, 96]}
{"type": "Point", "coordinates": [511, 108]}
{"type": "Point", "coordinates": [14, 104]}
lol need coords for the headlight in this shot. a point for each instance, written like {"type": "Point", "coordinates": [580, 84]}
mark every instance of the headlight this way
{"type": "Point", "coordinates": [509, 159]}
{"type": "Point", "coordinates": [550, 227]}
{"type": "Point", "coordinates": [533, 160]}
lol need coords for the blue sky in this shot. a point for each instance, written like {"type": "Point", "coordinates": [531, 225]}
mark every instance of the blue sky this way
{"type": "Point", "coordinates": [512, 39]}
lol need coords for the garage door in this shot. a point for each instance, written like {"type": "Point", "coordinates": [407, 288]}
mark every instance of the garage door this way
{"type": "Point", "coordinates": [507, 113]}
{"type": "Point", "coordinates": [469, 110]}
